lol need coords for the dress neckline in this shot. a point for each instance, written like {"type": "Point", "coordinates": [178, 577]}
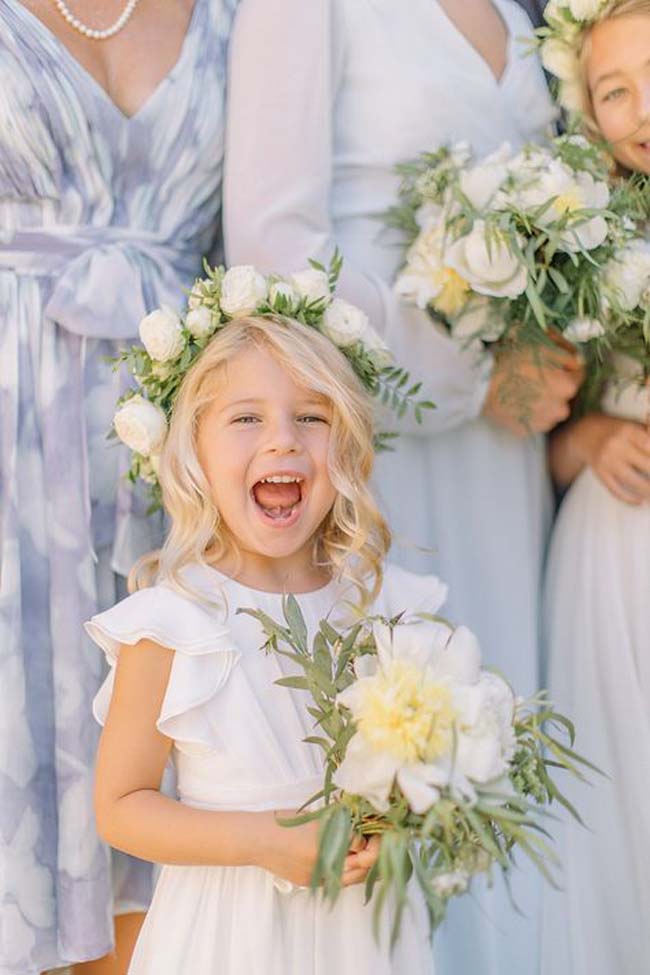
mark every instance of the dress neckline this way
{"type": "Point", "coordinates": [310, 594]}
{"type": "Point", "coordinates": [501, 9]}
{"type": "Point", "coordinates": [50, 38]}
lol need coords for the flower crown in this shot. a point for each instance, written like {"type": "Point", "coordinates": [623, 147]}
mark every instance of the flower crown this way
{"type": "Point", "coordinates": [560, 43]}
{"type": "Point", "coordinates": [171, 343]}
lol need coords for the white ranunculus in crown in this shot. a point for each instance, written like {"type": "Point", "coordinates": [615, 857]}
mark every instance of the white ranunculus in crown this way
{"type": "Point", "coordinates": [171, 343]}
{"type": "Point", "coordinates": [560, 44]}
{"type": "Point", "coordinates": [311, 284]}
{"type": "Point", "coordinates": [141, 425]}
{"type": "Point", "coordinates": [162, 335]}
{"type": "Point", "coordinates": [243, 289]}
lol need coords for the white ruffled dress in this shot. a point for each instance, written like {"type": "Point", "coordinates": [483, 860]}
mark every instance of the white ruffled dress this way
{"type": "Point", "coordinates": [238, 745]}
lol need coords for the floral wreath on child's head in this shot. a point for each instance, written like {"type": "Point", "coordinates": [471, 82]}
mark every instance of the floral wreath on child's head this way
{"type": "Point", "coordinates": [560, 43]}
{"type": "Point", "coordinates": [171, 343]}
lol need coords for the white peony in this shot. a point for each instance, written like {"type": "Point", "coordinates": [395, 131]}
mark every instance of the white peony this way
{"type": "Point", "coordinates": [560, 59]}
{"type": "Point", "coordinates": [627, 275]}
{"type": "Point", "coordinates": [161, 334]}
{"type": "Point", "coordinates": [428, 279]}
{"type": "Point", "coordinates": [566, 194]}
{"type": "Point", "coordinates": [311, 284]}
{"type": "Point", "coordinates": [583, 330]}
{"type": "Point", "coordinates": [344, 323]}
{"type": "Point", "coordinates": [406, 715]}
{"type": "Point", "coordinates": [199, 322]}
{"type": "Point", "coordinates": [282, 289]}
{"type": "Point", "coordinates": [486, 261]}
{"type": "Point", "coordinates": [141, 425]}
{"type": "Point", "coordinates": [242, 291]}
{"type": "Point", "coordinates": [480, 183]}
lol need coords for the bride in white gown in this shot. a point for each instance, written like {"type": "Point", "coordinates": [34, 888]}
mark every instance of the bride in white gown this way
{"type": "Point", "coordinates": [598, 593]}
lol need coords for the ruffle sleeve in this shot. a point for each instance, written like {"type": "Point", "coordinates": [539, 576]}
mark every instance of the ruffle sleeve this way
{"type": "Point", "coordinates": [205, 654]}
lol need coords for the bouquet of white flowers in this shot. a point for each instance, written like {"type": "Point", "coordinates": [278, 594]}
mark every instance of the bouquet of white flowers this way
{"type": "Point", "coordinates": [424, 747]}
{"type": "Point", "coordinates": [514, 246]}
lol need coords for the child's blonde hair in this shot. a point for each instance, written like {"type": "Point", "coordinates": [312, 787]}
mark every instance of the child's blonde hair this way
{"type": "Point", "coordinates": [617, 8]}
{"type": "Point", "coordinates": [353, 540]}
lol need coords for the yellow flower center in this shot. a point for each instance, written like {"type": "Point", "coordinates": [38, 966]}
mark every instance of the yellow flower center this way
{"type": "Point", "coordinates": [568, 202]}
{"type": "Point", "coordinates": [453, 294]}
{"type": "Point", "coordinates": [406, 715]}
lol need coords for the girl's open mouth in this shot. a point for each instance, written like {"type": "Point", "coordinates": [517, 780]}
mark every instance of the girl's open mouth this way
{"type": "Point", "coordinates": [278, 498]}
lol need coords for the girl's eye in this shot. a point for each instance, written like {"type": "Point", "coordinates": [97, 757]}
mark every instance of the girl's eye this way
{"type": "Point", "coordinates": [312, 418]}
{"type": "Point", "coordinates": [246, 420]}
{"type": "Point", "coordinates": [614, 95]}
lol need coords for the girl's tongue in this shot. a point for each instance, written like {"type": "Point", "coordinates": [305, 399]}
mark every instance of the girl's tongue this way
{"type": "Point", "coordinates": [277, 499]}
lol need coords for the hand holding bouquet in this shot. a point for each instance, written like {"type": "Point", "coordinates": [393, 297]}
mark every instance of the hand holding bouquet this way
{"type": "Point", "coordinates": [424, 748]}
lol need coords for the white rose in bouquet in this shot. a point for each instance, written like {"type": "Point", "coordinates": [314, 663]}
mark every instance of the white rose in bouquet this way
{"type": "Point", "coordinates": [311, 284]}
{"type": "Point", "coordinates": [567, 194]}
{"type": "Point", "coordinates": [161, 334]}
{"type": "Point", "coordinates": [242, 291]}
{"type": "Point", "coordinates": [198, 322]}
{"type": "Point", "coordinates": [628, 275]}
{"type": "Point", "coordinates": [428, 278]}
{"type": "Point", "coordinates": [141, 425]}
{"type": "Point", "coordinates": [484, 258]}
{"type": "Point", "coordinates": [480, 183]}
{"type": "Point", "coordinates": [583, 330]}
{"type": "Point", "coordinates": [344, 323]}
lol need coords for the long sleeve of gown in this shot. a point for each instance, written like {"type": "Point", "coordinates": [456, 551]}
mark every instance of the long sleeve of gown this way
{"type": "Point", "coordinates": [286, 64]}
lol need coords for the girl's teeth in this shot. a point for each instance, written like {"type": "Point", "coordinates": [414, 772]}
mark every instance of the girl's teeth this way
{"type": "Point", "coordinates": [281, 479]}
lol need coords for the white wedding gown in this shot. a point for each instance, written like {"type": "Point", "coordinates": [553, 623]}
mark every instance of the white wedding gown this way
{"type": "Point", "coordinates": [238, 746]}
{"type": "Point", "coordinates": [325, 98]}
{"type": "Point", "coordinates": [598, 613]}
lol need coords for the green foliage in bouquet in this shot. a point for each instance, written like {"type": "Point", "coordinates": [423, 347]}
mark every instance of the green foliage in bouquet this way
{"type": "Point", "coordinates": [423, 747]}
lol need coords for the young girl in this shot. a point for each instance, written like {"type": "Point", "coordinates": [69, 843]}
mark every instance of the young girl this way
{"type": "Point", "coordinates": [264, 476]}
{"type": "Point", "coordinates": [598, 584]}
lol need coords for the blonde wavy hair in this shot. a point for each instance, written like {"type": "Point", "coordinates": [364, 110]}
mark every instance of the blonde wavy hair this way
{"type": "Point", "coordinates": [617, 8]}
{"type": "Point", "coordinates": [353, 540]}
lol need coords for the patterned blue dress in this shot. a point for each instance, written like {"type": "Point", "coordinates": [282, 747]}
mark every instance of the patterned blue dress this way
{"type": "Point", "coordinates": [102, 217]}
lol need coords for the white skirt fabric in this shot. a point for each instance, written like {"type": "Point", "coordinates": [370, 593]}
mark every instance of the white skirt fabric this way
{"type": "Point", "coordinates": [598, 613]}
{"type": "Point", "coordinates": [209, 921]}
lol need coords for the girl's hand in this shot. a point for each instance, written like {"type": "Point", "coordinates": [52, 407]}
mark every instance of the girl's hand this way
{"type": "Point", "coordinates": [291, 852]}
{"type": "Point", "coordinates": [618, 452]}
{"type": "Point", "coordinates": [530, 390]}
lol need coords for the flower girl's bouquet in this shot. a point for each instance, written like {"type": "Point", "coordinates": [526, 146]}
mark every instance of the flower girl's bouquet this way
{"type": "Point", "coordinates": [626, 296]}
{"type": "Point", "coordinates": [512, 246]}
{"type": "Point", "coordinates": [426, 748]}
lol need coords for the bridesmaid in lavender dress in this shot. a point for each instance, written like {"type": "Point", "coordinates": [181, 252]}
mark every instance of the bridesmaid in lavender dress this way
{"type": "Point", "coordinates": [110, 173]}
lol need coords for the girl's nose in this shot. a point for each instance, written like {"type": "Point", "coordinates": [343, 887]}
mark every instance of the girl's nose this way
{"type": "Point", "coordinates": [644, 103]}
{"type": "Point", "coordinates": [283, 438]}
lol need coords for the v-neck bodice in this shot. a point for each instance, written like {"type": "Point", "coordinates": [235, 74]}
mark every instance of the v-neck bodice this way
{"type": "Point", "coordinates": [69, 155]}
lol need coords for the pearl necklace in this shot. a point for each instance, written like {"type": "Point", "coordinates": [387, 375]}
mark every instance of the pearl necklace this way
{"type": "Point", "coordinates": [96, 35]}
